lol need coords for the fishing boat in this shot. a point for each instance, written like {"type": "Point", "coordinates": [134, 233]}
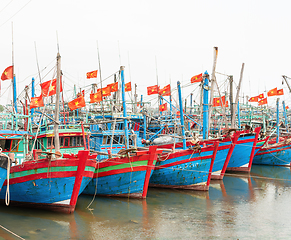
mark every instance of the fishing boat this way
{"type": "Point", "coordinates": [126, 176]}
{"type": "Point", "coordinates": [223, 155]}
{"type": "Point", "coordinates": [185, 168]}
{"type": "Point", "coordinates": [49, 183]}
{"type": "Point", "coordinates": [274, 153]}
{"type": "Point", "coordinates": [242, 156]}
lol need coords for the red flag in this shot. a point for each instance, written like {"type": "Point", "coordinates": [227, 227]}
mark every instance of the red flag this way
{"type": "Point", "coordinates": [36, 102]}
{"type": "Point", "coordinates": [217, 102]}
{"type": "Point", "coordinates": [272, 92]}
{"type": "Point", "coordinates": [254, 99]}
{"type": "Point", "coordinates": [92, 74]}
{"type": "Point", "coordinates": [280, 92]}
{"type": "Point", "coordinates": [153, 90]}
{"type": "Point", "coordinates": [127, 87]}
{"type": "Point", "coordinates": [166, 91]}
{"type": "Point", "coordinates": [113, 87]}
{"type": "Point", "coordinates": [105, 91]}
{"type": "Point", "coordinates": [197, 78]}
{"type": "Point", "coordinates": [263, 101]}
{"type": "Point", "coordinates": [95, 97]}
{"type": "Point", "coordinates": [77, 103]}
{"type": "Point", "coordinates": [287, 107]}
{"type": "Point", "coordinates": [163, 107]}
{"type": "Point", "coordinates": [226, 104]}
{"type": "Point", "coordinates": [261, 95]}
{"type": "Point", "coordinates": [48, 88]}
{"type": "Point", "coordinates": [7, 74]}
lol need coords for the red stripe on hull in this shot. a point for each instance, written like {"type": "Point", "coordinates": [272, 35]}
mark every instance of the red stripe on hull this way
{"type": "Point", "coordinates": [31, 165]}
{"type": "Point", "coordinates": [119, 171]}
{"type": "Point", "coordinates": [266, 151]}
{"type": "Point", "coordinates": [182, 162]}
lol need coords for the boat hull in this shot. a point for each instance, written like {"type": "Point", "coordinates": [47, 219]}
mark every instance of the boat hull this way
{"type": "Point", "coordinates": [123, 177]}
{"type": "Point", "coordinates": [276, 155]}
{"type": "Point", "coordinates": [185, 169]}
{"type": "Point", "coordinates": [243, 153]}
{"type": "Point", "coordinates": [54, 185]}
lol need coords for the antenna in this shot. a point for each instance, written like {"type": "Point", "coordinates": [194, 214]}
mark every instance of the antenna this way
{"type": "Point", "coordinates": [100, 80]}
{"type": "Point", "coordinates": [58, 41]}
{"type": "Point", "coordinates": [37, 62]}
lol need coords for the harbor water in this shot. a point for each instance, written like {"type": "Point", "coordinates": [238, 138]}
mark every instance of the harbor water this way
{"type": "Point", "coordinates": [254, 206]}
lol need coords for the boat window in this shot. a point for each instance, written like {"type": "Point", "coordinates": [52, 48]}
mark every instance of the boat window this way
{"type": "Point", "coordinates": [66, 142]}
{"type": "Point", "coordinates": [73, 141]}
{"type": "Point", "coordinates": [116, 139]}
{"type": "Point", "coordinates": [5, 144]}
{"type": "Point", "coordinates": [121, 140]}
{"type": "Point", "coordinates": [104, 140]}
{"type": "Point", "coordinates": [14, 146]}
{"type": "Point", "coordinates": [79, 141]}
{"type": "Point", "coordinates": [61, 142]}
{"type": "Point", "coordinates": [108, 139]}
{"type": "Point", "coordinates": [49, 142]}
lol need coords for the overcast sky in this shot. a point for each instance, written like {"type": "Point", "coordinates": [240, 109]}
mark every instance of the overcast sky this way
{"type": "Point", "coordinates": [171, 40]}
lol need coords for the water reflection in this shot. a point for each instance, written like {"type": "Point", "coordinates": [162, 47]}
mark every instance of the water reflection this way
{"type": "Point", "coordinates": [239, 207]}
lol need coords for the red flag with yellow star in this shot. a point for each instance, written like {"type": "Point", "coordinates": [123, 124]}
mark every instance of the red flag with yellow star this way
{"type": "Point", "coordinates": [77, 103]}
{"type": "Point", "coordinates": [36, 102]}
{"type": "Point", "coordinates": [196, 78]}
{"type": "Point", "coordinates": [261, 95]}
{"type": "Point", "coordinates": [272, 92]}
{"type": "Point", "coordinates": [153, 90]}
{"type": "Point", "coordinates": [127, 87]}
{"type": "Point", "coordinates": [163, 107]}
{"type": "Point", "coordinates": [254, 99]}
{"type": "Point", "coordinates": [217, 101]}
{"type": "Point", "coordinates": [49, 88]}
{"type": "Point", "coordinates": [95, 97]}
{"type": "Point", "coordinates": [263, 101]}
{"type": "Point", "coordinates": [92, 74]}
{"type": "Point", "coordinates": [280, 92]}
{"type": "Point", "coordinates": [105, 91]}
{"type": "Point", "coordinates": [113, 87]}
{"type": "Point", "coordinates": [166, 91]}
{"type": "Point", "coordinates": [7, 74]}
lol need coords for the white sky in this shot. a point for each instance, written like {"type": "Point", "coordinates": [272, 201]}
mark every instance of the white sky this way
{"type": "Point", "coordinates": [179, 34]}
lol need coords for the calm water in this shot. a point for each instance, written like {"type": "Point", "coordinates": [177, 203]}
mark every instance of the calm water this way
{"type": "Point", "coordinates": [239, 207]}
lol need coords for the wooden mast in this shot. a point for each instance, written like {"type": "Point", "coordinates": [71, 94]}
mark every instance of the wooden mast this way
{"type": "Point", "coordinates": [56, 125]}
{"type": "Point", "coordinates": [237, 97]}
{"type": "Point", "coordinates": [213, 81]}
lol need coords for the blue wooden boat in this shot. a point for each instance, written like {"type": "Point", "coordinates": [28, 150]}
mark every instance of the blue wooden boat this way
{"type": "Point", "coordinates": [52, 184]}
{"type": "Point", "coordinates": [126, 176]}
{"type": "Point", "coordinates": [223, 155]}
{"type": "Point", "coordinates": [272, 153]}
{"type": "Point", "coordinates": [185, 168]}
{"type": "Point", "coordinates": [243, 153]}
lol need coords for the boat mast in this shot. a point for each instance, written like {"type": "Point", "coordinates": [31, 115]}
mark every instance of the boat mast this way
{"type": "Point", "coordinates": [102, 105]}
{"type": "Point", "coordinates": [213, 81]}
{"type": "Point", "coordinates": [237, 97]}
{"type": "Point", "coordinates": [56, 126]}
{"type": "Point", "coordinates": [278, 121]}
{"type": "Point", "coordinates": [13, 80]}
{"type": "Point", "coordinates": [205, 106]}
{"type": "Point", "coordinates": [181, 114]}
{"type": "Point", "coordinates": [124, 107]}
